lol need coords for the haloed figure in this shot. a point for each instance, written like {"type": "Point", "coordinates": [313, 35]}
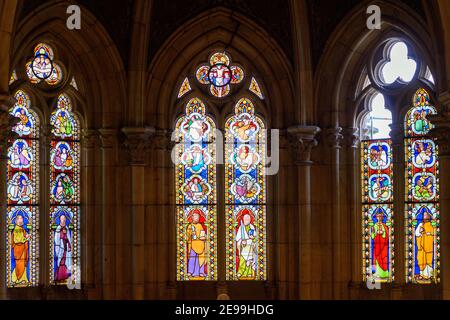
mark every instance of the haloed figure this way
{"type": "Point", "coordinates": [246, 244]}
{"type": "Point", "coordinates": [380, 238]}
{"type": "Point", "coordinates": [20, 247]}
{"type": "Point", "coordinates": [425, 247]}
{"type": "Point", "coordinates": [63, 251]}
{"type": "Point", "coordinates": [196, 239]}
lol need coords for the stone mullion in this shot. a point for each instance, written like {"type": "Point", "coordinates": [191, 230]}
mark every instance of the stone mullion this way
{"type": "Point", "coordinates": [400, 219]}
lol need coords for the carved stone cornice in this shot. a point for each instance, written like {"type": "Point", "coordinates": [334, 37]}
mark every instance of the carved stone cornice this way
{"type": "Point", "coordinates": [108, 137]}
{"type": "Point", "coordinates": [352, 137]}
{"type": "Point", "coordinates": [89, 138]}
{"type": "Point", "coordinates": [302, 140]}
{"type": "Point", "coordinates": [333, 137]}
{"type": "Point", "coordinates": [137, 142]}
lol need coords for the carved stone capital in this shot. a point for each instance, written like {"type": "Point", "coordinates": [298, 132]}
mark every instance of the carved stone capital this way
{"type": "Point", "coordinates": [352, 137]}
{"type": "Point", "coordinates": [137, 142]}
{"type": "Point", "coordinates": [334, 137]}
{"type": "Point", "coordinates": [444, 101]}
{"type": "Point", "coordinates": [163, 140]}
{"type": "Point", "coordinates": [302, 141]}
{"type": "Point", "coordinates": [108, 138]}
{"type": "Point", "coordinates": [89, 138]}
{"type": "Point", "coordinates": [441, 132]}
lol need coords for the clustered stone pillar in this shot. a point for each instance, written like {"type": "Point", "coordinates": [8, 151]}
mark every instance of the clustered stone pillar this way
{"type": "Point", "coordinates": [442, 134]}
{"type": "Point", "coordinates": [303, 140]}
{"type": "Point", "coordinates": [6, 123]}
{"type": "Point", "coordinates": [334, 138]}
{"type": "Point", "coordinates": [110, 219]}
{"type": "Point", "coordinates": [89, 173]}
{"type": "Point", "coordinates": [137, 142]}
{"type": "Point", "coordinates": [352, 142]}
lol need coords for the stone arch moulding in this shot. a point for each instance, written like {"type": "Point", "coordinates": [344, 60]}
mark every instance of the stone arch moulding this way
{"type": "Point", "coordinates": [89, 54]}
{"type": "Point", "coordinates": [190, 46]}
{"type": "Point", "coordinates": [353, 41]}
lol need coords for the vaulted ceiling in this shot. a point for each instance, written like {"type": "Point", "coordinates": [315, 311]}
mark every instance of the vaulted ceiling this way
{"type": "Point", "coordinates": [167, 16]}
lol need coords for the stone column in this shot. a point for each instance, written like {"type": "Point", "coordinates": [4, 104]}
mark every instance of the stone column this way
{"type": "Point", "coordinates": [442, 134]}
{"type": "Point", "coordinates": [334, 138]}
{"type": "Point", "coordinates": [160, 221]}
{"type": "Point", "coordinates": [137, 142]}
{"type": "Point", "coordinates": [109, 206]}
{"type": "Point", "coordinates": [352, 148]}
{"type": "Point", "coordinates": [90, 225]}
{"type": "Point", "coordinates": [303, 140]}
{"type": "Point", "coordinates": [6, 123]}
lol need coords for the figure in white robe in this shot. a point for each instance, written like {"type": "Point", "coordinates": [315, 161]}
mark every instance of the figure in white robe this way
{"type": "Point", "coordinates": [246, 243]}
{"type": "Point", "coordinates": [63, 251]}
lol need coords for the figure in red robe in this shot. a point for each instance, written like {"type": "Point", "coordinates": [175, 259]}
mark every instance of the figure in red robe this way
{"type": "Point", "coordinates": [380, 238]}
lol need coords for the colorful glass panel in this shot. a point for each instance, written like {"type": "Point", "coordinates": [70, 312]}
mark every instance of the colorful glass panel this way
{"type": "Point", "coordinates": [73, 83]}
{"type": "Point", "coordinates": [13, 77]}
{"type": "Point", "coordinates": [196, 201]}
{"type": "Point", "coordinates": [422, 193]}
{"type": "Point", "coordinates": [185, 88]}
{"type": "Point", "coordinates": [22, 219]}
{"type": "Point", "coordinates": [64, 227]}
{"type": "Point", "coordinates": [378, 242]}
{"type": "Point", "coordinates": [42, 67]}
{"type": "Point", "coordinates": [245, 190]}
{"type": "Point", "coordinates": [219, 75]}
{"type": "Point", "coordinates": [237, 74]}
{"type": "Point", "coordinates": [378, 217]}
{"type": "Point", "coordinates": [255, 88]}
{"type": "Point", "coordinates": [219, 92]}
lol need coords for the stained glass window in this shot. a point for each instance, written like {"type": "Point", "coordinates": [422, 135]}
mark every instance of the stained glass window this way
{"type": "Point", "coordinates": [73, 83]}
{"type": "Point", "coordinates": [196, 199]}
{"type": "Point", "coordinates": [422, 193]}
{"type": "Point", "coordinates": [42, 67]}
{"type": "Point", "coordinates": [64, 217]}
{"type": "Point", "coordinates": [378, 213]}
{"type": "Point", "coordinates": [22, 218]}
{"type": "Point", "coordinates": [377, 193]}
{"type": "Point", "coordinates": [255, 88]}
{"type": "Point", "coordinates": [245, 194]}
{"type": "Point", "coordinates": [13, 77]}
{"type": "Point", "coordinates": [185, 88]}
{"type": "Point", "coordinates": [220, 75]}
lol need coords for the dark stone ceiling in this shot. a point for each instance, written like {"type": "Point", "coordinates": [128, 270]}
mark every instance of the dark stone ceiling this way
{"type": "Point", "coordinates": [168, 15]}
{"type": "Point", "coordinates": [326, 15]}
{"type": "Point", "coordinates": [273, 15]}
